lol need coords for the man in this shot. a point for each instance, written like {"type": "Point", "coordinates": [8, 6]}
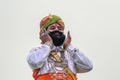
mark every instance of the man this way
{"type": "Point", "coordinates": [56, 58]}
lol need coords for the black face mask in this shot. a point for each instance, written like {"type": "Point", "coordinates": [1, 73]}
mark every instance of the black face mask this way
{"type": "Point", "coordinates": [57, 37]}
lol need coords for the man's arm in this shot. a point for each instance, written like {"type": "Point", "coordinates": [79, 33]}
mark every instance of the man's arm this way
{"type": "Point", "coordinates": [82, 63]}
{"type": "Point", "coordinates": [37, 56]}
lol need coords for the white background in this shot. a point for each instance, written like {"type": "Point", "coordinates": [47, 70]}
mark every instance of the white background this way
{"type": "Point", "coordinates": [94, 26]}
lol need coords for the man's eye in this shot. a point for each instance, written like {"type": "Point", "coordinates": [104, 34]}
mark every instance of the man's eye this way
{"type": "Point", "coordinates": [52, 27]}
{"type": "Point", "coordinates": [59, 27]}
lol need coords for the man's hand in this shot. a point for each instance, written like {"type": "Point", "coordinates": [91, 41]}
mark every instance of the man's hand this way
{"type": "Point", "coordinates": [44, 36]}
{"type": "Point", "coordinates": [67, 40]}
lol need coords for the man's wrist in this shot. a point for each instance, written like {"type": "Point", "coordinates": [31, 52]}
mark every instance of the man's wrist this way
{"type": "Point", "coordinates": [65, 47]}
{"type": "Point", "coordinates": [49, 44]}
{"type": "Point", "coordinates": [69, 48]}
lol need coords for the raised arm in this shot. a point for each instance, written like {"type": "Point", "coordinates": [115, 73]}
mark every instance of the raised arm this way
{"type": "Point", "coordinates": [82, 63]}
{"type": "Point", "coordinates": [38, 56]}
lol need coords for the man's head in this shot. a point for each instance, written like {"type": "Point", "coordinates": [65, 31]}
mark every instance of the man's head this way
{"type": "Point", "coordinates": [55, 27]}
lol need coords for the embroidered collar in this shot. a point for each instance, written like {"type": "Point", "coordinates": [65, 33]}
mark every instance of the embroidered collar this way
{"type": "Point", "coordinates": [57, 49]}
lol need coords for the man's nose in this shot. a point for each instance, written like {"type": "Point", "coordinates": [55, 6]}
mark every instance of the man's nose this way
{"type": "Point", "coordinates": [56, 28]}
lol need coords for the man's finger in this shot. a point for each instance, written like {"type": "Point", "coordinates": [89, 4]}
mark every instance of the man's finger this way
{"type": "Point", "coordinates": [44, 30]}
{"type": "Point", "coordinates": [41, 31]}
{"type": "Point", "coordinates": [68, 35]}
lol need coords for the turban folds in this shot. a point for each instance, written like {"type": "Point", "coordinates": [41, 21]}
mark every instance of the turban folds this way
{"type": "Point", "coordinates": [49, 20]}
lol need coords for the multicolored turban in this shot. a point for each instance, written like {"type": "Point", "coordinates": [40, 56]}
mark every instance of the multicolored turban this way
{"type": "Point", "coordinates": [51, 19]}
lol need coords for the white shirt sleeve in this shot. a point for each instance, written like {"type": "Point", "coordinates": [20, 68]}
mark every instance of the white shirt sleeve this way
{"type": "Point", "coordinates": [37, 56]}
{"type": "Point", "coordinates": [82, 63]}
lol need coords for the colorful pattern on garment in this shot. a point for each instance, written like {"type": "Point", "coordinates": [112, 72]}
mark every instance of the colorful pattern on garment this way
{"type": "Point", "coordinates": [66, 69]}
{"type": "Point", "coordinates": [54, 74]}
